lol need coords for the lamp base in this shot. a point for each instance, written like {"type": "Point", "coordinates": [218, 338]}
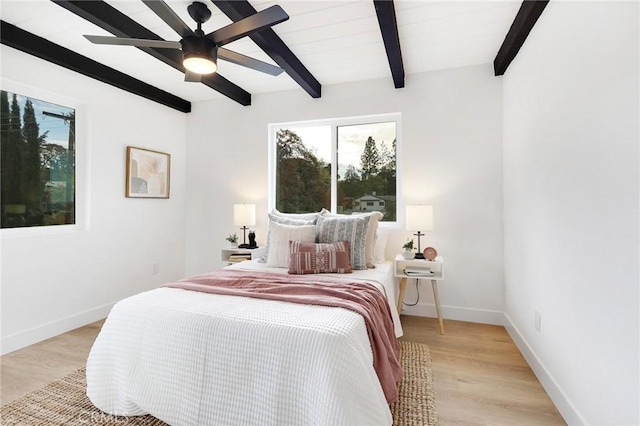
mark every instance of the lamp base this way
{"type": "Point", "coordinates": [247, 246]}
{"type": "Point", "coordinates": [419, 256]}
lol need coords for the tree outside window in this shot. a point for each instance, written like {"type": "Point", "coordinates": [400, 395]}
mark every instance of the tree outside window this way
{"type": "Point", "coordinates": [37, 162]}
{"type": "Point", "coordinates": [306, 176]}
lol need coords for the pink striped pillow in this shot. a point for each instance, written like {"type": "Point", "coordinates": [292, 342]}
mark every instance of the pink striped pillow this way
{"type": "Point", "coordinates": [319, 258]}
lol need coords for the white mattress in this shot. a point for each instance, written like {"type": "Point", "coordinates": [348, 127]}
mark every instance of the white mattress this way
{"type": "Point", "coordinates": [193, 358]}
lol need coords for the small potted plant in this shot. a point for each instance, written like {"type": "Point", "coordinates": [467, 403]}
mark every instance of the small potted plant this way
{"type": "Point", "coordinates": [233, 240]}
{"type": "Point", "coordinates": [408, 250]}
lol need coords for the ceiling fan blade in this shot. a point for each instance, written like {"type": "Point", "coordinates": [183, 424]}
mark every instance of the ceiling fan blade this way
{"type": "Point", "coordinates": [246, 61]}
{"type": "Point", "coordinates": [192, 76]}
{"type": "Point", "coordinates": [138, 42]}
{"type": "Point", "coordinates": [254, 23]}
{"type": "Point", "coordinates": [167, 14]}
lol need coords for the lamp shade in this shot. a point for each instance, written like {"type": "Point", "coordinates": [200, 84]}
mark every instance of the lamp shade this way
{"type": "Point", "coordinates": [244, 214]}
{"type": "Point", "coordinates": [419, 218]}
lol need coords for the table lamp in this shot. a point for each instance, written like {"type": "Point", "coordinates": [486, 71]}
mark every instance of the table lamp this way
{"type": "Point", "coordinates": [243, 215]}
{"type": "Point", "coordinates": [419, 218]}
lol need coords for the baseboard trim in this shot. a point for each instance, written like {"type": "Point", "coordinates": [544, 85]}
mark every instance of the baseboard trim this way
{"type": "Point", "coordinates": [483, 316]}
{"type": "Point", "coordinates": [54, 328]}
{"type": "Point", "coordinates": [555, 392]}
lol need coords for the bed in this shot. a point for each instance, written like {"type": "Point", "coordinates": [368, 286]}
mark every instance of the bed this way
{"type": "Point", "coordinates": [193, 358]}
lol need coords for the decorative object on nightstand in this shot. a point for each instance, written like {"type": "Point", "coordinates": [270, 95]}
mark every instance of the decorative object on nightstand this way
{"type": "Point", "coordinates": [419, 218]}
{"type": "Point", "coordinates": [432, 270]}
{"type": "Point", "coordinates": [430, 253]}
{"type": "Point", "coordinates": [408, 250]}
{"type": "Point", "coordinates": [233, 240]}
{"type": "Point", "coordinates": [252, 240]}
{"type": "Point", "coordinates": [243, 215]}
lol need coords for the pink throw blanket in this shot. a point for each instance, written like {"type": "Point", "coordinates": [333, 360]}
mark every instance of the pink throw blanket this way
{"type": "Point", "coordinates": [359, 297]}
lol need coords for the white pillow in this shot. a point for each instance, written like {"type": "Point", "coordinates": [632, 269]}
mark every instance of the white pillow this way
{"type": "Point", "coordinates": [279, 237]}
{"type": "Point", "coordinates": [381, 245]}
{"type": "Point", "coordinates": [370, 241]}
{"type": "Point", "coordinates": [284, 220]}
{"type": "Point", "coordinates": [299, 216]}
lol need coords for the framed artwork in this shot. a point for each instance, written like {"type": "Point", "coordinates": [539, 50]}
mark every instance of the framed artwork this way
{"type": "Point", "coordinates": [148, 173]}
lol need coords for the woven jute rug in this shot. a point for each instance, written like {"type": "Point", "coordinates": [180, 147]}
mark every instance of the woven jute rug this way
{"type": "Point", "coordinates": [416, 403]}
{"type": "Point", "coordinates": [64, 402]}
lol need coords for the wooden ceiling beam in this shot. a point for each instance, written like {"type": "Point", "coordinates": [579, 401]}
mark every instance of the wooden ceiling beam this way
{"type": "Point", "coordinates": [112, 20]}
{"type": "Point", "coordinates": [273, 46]}
{"type": "Point", "coordinates": [386, 12]}
{"type": "Point", "coordinates": [525, 19]}
{"type": "Point", "coordinates": [22, 40]}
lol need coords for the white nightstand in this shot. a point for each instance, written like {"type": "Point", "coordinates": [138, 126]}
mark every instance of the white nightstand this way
{"type": "Point", "coordinates": [225, 255]}
{"type": "Point", "coordinates": [437, 273]}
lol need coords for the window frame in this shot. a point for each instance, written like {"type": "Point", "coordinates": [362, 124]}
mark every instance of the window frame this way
{"type": "Point", "coordinates": [81, 162]}
{"type": "Point", "coordinates": [335, 123]}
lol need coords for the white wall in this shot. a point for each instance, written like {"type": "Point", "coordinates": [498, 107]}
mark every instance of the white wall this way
{"type": "Point", "coordinates": [451, 157]}
{"type": "Point", "coordinates": [54, 283]}
{"type": "Point", "coordinates": [571, 209]}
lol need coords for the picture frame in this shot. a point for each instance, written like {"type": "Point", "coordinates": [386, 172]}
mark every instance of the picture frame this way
{"type": "Point", "coordinates": [148, 173]}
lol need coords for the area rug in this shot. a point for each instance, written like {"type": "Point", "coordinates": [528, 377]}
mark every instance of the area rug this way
{"type": "Point", "coordinates": [64, 402]}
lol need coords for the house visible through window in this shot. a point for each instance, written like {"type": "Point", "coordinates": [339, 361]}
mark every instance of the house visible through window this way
{"type": "Point", "coordinates": [37, 162]}
{"type": "Point", "coordinates": [344, 165]}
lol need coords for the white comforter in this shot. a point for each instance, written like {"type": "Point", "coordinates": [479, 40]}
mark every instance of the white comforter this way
{"type": "Point", "coordinates": [192, 358]}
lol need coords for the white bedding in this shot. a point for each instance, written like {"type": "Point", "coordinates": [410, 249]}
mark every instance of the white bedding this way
{"type": "Point", "coordinates": [192, 358]}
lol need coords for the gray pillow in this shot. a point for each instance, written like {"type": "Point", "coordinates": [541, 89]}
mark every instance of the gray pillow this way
{"type": "Point", "coordinates": [346, 228]}
{"type": "Point", "coordinates": [371, 236]}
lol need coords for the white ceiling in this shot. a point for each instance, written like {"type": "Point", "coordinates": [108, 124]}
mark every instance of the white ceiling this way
{"type": "Point", "coordinates": [338, 41]}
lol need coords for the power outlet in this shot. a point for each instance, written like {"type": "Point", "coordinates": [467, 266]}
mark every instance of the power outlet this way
{"type": "Point", "coordinates": [155, 268]}
{"type": "Point", "coordinates": [537, 321]}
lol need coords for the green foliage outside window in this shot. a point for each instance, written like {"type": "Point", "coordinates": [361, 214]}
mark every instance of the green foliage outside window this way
{"type": "Point", "coordinates": [37, 166]}
{"type": "Point", "coordinates": [365, 181]}
{"type": "Point", "coordinates": [303, 180]}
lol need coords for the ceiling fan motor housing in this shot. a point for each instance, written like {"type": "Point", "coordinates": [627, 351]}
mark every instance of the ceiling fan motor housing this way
{"type": "Point", "coordinates": [193, 46]}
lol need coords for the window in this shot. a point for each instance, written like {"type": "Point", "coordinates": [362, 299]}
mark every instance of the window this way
{"type": "Point", "coordinates": [37, 162]}
{"type": "Point", "coordinates": [343, 165]}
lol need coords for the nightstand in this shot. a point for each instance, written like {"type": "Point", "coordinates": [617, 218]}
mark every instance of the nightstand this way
{"type": "Point", "coordinates": [404, 268]}
{"type": "Point", "coordinates": [234, 255]}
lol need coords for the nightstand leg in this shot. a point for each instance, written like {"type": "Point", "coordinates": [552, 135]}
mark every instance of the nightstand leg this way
{"type": "Point", "coordinates": [403, 286]}
{"type": "Point", "coordinates": [436, 298]}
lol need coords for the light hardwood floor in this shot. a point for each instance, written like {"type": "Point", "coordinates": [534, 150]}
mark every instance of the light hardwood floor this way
{"type": "Point", "coordinates": [480, 377]}
{"type": "Point", "coordinates": [35, 366]}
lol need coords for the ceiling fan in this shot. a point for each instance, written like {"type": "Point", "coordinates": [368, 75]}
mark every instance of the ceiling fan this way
{"type": "Point", "coordinates": [200, 51]}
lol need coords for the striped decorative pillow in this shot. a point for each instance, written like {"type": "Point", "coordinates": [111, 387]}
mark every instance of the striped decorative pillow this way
{"type": "Point", "coordinates": [371, 233]}
{"type": "Point", "coordinates": [318, 258]}
{"type": "Point", "coordinates": [346, 228]}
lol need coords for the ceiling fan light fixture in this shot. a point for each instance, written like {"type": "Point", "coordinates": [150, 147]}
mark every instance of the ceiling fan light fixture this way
{"type": "Point", "coordinates": [199, 55]}
{"type": "Point", "coordinates": [199, 64]}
